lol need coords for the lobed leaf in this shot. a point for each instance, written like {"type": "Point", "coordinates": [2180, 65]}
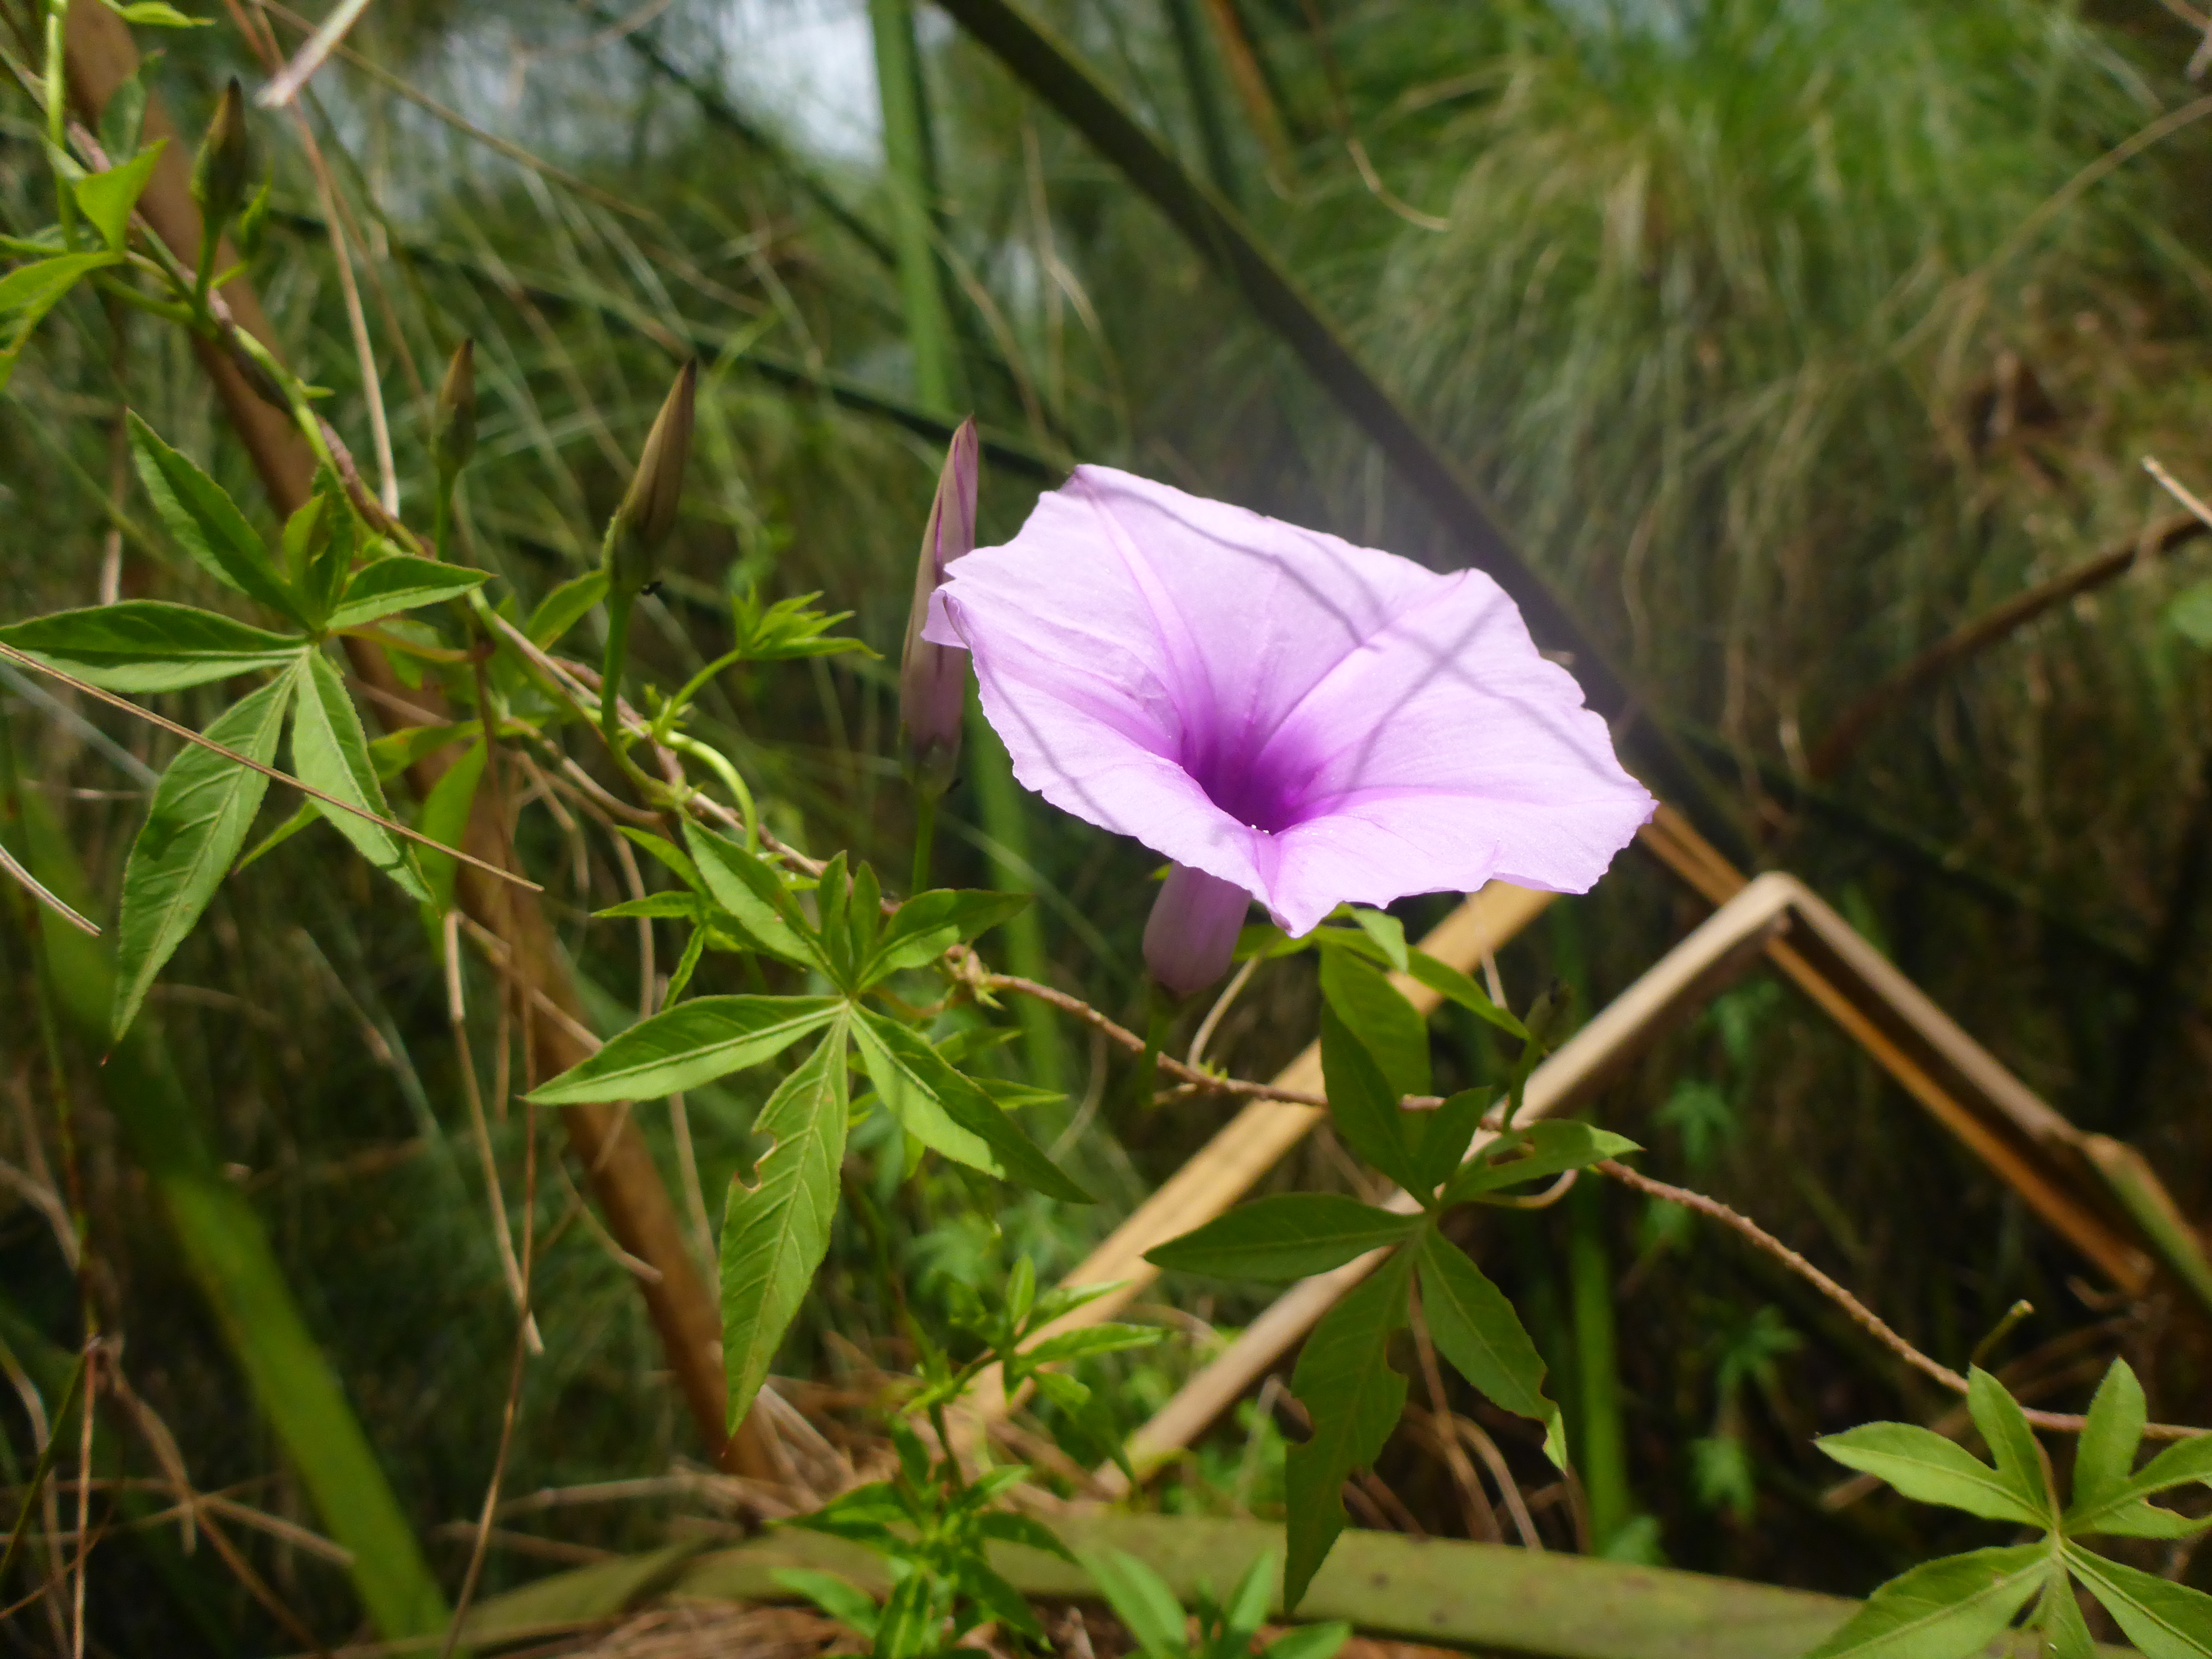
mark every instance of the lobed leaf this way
{"type": "Point", "coordinates": [1447, 983]}
{"type": "Point", "coordinates": [150, 644]}
{"type": "Point", "coordinates": [1476, 1329]}
{"type": "Point", "coordinates": [929, 924]}
{"type": "Point", "coordinates": [2011, 1442]}
{"type": "Point", "coordinates": [1362, 1102]}
{"type": "Point", "coordinates": [1344, 1381]}
{"type": "Point", "coordinates": [753, 895]}
{"type": "Point", "coordinates": [692, 1043]}
{"type": "Point", "coordinates": [1930, 1469]}
{"type": "Point", "coordinates": [1440, 1144]}
{"type": "Point", "coordinates": [1377, 1013]}
{"type": "Point", "coordinates": [776, 1231]}
{"type": "Point", "coordinates": [948, 1112]}
{"type": "Point", "coordinates": [2164, 1619]}
{"type": "Point", "coordinates": [402, 582]}
{"type": "Point", "coordinates": [1284, 1236]}
{"type": "Point", "coordinates": [1390, 936]}
{"type": "Point", "coordinates": [202, 809]}
{"type": "Point", "coordinates": [207, 523]}
{"type": "Point", "coordinates": [2105, 1453]}
{"type": "Point", "coordinates": [1553, 1148]}
{"type": "Point", "coordinates": [329, 751]}
{"type": "Point", "coordinates": [1943, 1609]}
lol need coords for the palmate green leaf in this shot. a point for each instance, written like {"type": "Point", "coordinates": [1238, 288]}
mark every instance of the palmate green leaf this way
{"type": "Point", "coordinates": [1447, 983]}
{"type": "Point", "coordinates": [1284, 1236]}
{"type": "Point", "coordinates": [2105, 1454]}
{"type": "Point", "coordinates": [1363, 1104]}
{"type": "Point", "coordinates": [402, 582]}
{"type": "Point", "coordinates": [208, 524]}
{"type": "Point", "coordinates": [1929, 1469]}
{"type": "Point", "coordinates": [202, 809]}
{"type": "Point", "coordinates": [753, 895]}
{"type": "Point", "coordinates": [1440, 1139]}
{"type": "Point", "coordinates": [2057, 1616]}
{"type": "Point", "coordinates": [1377, 1013]}
{"type": "Point", "coordinates": [2124, 1510]}
{"type": "Point", "coordinates": [929, 924]}
{"type": "Point", "coordinates": [329, 751]}
{"type": "Point", "coordinates": [106, 198]}
{"type": "Point", "coordinates": [692, 1043]}
{"type": "Point", "coordinates": [776, 1230]}
{"type": "Point", "coordinates": [2164, 1619]}
{"type": "Point", "coordinates": [1944, 1609]}
{"type": "Point", "coordinates": [150, 645]}
{"type": "Point", "coordinates": [1476, 1331]}
{"type": "Point", "coordinates": [1390, 936]}
{"type": "Point", "coordinates": [667, 854]}
{"type": "Point", "coordinates": [1343, 1379]}
{"type": "Point", "coordinates": [2011, 1442]}
{"type": "Point", "coordinates": [1551, 1148]}
{"type": "Point", "coordinates": [948, 1112]}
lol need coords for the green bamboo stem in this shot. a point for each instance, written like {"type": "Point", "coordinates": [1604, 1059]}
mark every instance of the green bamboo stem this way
{"type": "Point", "coordinates": [1601, 1453]}
{"type": "Point", "coordinates": [910, 171]}
{"type": "Point", "coordinates": [226, 1250]}
{"type": "Point", "coordinates": [1205, 99]}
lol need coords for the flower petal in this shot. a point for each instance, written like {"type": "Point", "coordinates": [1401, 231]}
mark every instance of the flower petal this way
{"type": "Point", "coordinates": [1310, 721]}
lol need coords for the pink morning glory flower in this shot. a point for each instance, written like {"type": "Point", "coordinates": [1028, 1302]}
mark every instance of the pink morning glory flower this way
{"type": "Point", "coordinates": [1285, 716]}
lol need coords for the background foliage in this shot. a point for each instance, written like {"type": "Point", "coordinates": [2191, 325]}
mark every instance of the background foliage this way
{"type": "Point", "coordinates": [1787, 335]}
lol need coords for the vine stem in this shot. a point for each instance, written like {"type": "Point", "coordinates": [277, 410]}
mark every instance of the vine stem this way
{"type": "Point", "coordinates": [1862, 1315]}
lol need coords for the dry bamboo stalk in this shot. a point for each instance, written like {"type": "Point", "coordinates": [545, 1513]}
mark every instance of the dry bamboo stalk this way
{"type": "Point", "coordinates": [620, 1167]}
{"type": "Point", "coordinates": [1254, 1141]}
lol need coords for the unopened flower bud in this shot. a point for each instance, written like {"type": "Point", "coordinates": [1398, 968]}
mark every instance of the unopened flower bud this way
{"type": "Point", "coordinates": [222, 172]}
{"type": "Point", "coordinates": [454, 441]}
{"type": "Point", "coordinates": [647, 517]}
{"type": "Point", "coordinates": [1190, 938]}
{"type": "Point", "coordinates": [933, 678]}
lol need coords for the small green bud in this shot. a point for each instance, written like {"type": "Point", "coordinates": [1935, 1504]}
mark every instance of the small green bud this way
{"type": "Point", "coordinates": [223, 170]}
{"type": "Point", "coordinates": [453, 439]}
{"type": "Point", "coordinates": [647, 517]}
{"type": "Point", "coordinates": [933, 678]}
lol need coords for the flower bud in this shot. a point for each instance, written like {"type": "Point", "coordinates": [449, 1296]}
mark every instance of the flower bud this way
{"type": "Point", "coordinates": [453, 439]}
{"type": "Point", "coordinates": [222, 172]}
{"type": "Point", "coordinates": [933, 678]}
{"type": "Point", "coordinates": [647, 517]}
{"type": "Point", "coordinates": [1190, 938]}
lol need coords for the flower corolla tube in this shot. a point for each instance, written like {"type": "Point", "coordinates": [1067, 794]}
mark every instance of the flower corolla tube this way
{"type": "Point", "coordinates": [1285, 716]}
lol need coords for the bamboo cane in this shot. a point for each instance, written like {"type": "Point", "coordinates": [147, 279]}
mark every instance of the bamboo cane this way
{"type": "Point", "coordinates": [620, 1167]}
